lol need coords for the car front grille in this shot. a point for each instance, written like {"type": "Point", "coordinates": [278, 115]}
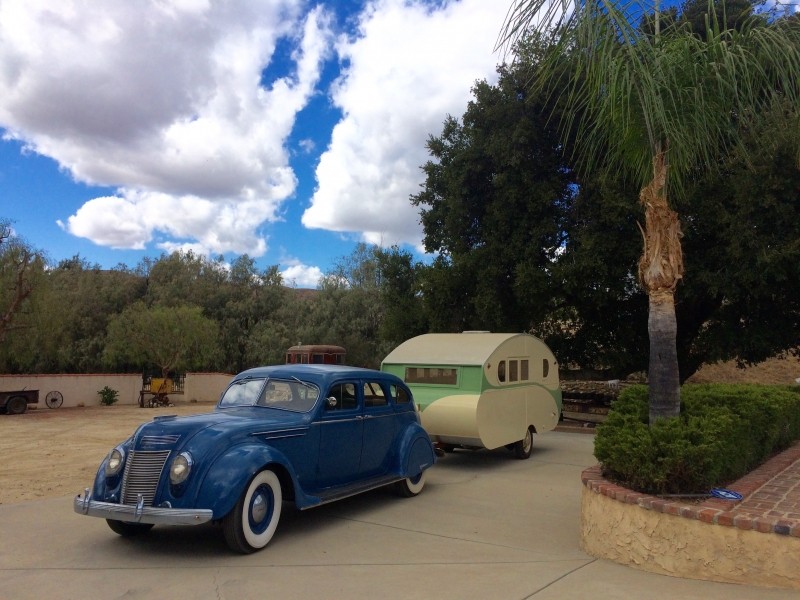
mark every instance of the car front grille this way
{"type": "Point", "coordinates": [142, 474]}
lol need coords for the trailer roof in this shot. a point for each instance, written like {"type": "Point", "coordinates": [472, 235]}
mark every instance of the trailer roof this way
{"type": "Point", "coordinates": [468, 348]}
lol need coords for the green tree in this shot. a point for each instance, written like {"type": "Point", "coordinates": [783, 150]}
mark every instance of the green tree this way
{"type": "Point", "coordinates": [658, 109]}
{"type": "Point", "coordinates": [81, 299]}
{"type": "Point", "coordinates": [401, 295]}
{"type": "Point", "coordinates": [186, 278]}
{"type": "Point", "coordinates": [492, 209]}
{"type": "Point", "coordinates": [174, 338]}
{"type": "Point", "coordinates": [741, 294]}
{"type": "Point", "coordinates": [21, 272]}
{"type": "Point", "coordinates": [253, 300]}
{"type": "Point", "coordinates": [347, 310]}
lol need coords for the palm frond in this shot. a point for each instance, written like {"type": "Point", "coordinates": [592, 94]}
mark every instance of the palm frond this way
{"type": "Point", "coordinates": [628, 94]}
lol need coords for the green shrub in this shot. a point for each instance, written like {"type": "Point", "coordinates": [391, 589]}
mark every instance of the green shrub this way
{"type": "Point", "coordinates": [724, 431]}
{"type": "Point", "coordinates": [108, 396]}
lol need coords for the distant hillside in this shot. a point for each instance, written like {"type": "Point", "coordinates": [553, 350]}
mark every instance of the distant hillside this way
{"type": "Point", "coordinates": [773, 372]}
{"type": "Point", "coordinates": [304, 293]}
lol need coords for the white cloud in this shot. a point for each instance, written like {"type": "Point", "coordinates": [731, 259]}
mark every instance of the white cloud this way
{"type": "Point", "coordinates": [162, 99]}
{"type": "Point", "coordinates": [307, 145]}
{"type": "Point", "coordinates": [301, 276]}
{"type": "Point", "coordinates": [166, 102]}
{"type": "Point", "coordinates": [410, 65]}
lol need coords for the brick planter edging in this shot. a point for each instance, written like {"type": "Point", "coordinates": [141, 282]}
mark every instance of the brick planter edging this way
{"type": "Point", "coordinates": [717, 511]}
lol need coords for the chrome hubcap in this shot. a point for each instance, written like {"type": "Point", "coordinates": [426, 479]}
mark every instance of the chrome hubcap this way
{"type": "Point", "coordinates": [259, 509]}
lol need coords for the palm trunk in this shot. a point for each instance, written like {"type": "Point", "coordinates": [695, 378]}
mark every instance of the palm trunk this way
{"type": "Point", "coordinates": [663, 375]}
{"type": "Point", "coordinates": [660, 270]}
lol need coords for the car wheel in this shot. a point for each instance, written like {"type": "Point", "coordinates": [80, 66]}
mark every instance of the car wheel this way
{"type": "Point", "coordinates": [128, 529]}
{"type": "Point", "coordinates": [410, 486]}
{"type": "Point", "coordinates": [522, 449]}
{"type": "Point", "coordinates": [252, 522]}
{"type": "Point", "coordinates": [16, 405]}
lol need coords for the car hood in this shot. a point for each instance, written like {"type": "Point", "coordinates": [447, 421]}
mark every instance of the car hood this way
{"type": "Point", "coordinates": [170, 431]}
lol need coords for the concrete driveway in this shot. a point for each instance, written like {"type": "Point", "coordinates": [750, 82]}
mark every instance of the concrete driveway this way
{"type": "Point", "coordinates": [486, 526]}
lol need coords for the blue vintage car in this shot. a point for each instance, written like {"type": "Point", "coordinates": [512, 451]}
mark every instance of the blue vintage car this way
{"type": "Point", "coordinates": [304, 433]}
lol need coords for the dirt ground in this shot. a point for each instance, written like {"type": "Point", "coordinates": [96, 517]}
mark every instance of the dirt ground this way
{"type": "Point", "coordinates": [47, 453]}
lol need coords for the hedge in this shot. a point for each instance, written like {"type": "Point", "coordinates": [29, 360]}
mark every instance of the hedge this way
{"type": "Point", "coordinates": [723, 432]}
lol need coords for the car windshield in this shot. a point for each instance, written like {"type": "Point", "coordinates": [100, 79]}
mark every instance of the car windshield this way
{"type": "Point", "coordinates": [293, 394]}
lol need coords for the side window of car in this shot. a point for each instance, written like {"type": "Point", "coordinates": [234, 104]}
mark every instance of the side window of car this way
{"type": "Point", "coordinates": [400, 395]}
{"type": "Point", "coordinates": [373, 395]}
{"type": "Point", "coordinates": [342, 396]}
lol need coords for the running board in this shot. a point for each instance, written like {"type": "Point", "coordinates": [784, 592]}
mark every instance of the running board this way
{"type": "Point", "coordinates": [339, 493]}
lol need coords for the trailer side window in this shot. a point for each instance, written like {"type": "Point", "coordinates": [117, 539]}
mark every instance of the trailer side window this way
{"type": "Point", "coordinates": [436, 375]}
{"type": "Point", "coordinates": [501, 371]}
{"type": "Point", "coordinates": [545, 367]}
{"type": "Point", "coordinates": [512, 370]}
{"type": "Point", "coordinates": [523, 370]}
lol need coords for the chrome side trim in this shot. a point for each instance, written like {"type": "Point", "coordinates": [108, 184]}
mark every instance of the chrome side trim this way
{"type": "Point", "coordinates": [139, 513]}
{"type": "Point", "coordinates": [280, 434]}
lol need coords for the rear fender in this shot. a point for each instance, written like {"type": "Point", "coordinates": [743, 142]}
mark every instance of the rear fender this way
{"type": "Point", "coordinates": [416, 451]}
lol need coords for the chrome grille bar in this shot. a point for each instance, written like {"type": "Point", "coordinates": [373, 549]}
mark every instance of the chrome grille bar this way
{"type": "Point", "coordinates": [142, 473]}
{"type": "Point", "coordinates": [150, 441]}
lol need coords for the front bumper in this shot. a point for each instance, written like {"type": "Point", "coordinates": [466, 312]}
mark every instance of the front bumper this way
{"type": "Point", "coordinates": [139, 513]}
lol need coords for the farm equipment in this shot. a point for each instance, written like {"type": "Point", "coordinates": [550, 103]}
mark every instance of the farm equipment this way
{"type": "Point", "coordinates": [156, 390]}
{"type": "Point", "coordinates": [16, 402]}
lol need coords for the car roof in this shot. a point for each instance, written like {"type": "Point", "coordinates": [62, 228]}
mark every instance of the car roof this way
{"type": "Point", "coordinates": [320, 374]}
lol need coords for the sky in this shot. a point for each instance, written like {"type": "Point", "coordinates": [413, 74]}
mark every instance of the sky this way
{"type": "Point", "coordinates": [286, 130]}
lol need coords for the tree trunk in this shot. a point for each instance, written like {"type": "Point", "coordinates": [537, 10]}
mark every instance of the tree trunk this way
{"type": "Point", "coordinates": [660, 270]}
{"type": "Point", "coordinates": [663, 375]}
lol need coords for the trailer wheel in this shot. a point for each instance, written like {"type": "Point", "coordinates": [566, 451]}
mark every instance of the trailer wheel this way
{"type": "Point", "coordinates": [522, 449]}
{"type": "Point", "coordinates": [16, 405]}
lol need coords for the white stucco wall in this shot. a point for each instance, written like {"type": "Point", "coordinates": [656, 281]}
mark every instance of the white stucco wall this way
{"type": "Point", "coordinates": [81, 390]}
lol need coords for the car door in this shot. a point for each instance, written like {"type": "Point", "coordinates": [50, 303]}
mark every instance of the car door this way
{"type": "Point", "coordinates": [380, 429]}
{"type": "Point", "coordinates": [341, 432]}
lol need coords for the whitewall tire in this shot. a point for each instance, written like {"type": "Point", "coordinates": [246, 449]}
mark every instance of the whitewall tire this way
{"type": "Point", "coordinates": [253, 521]}
{"type": "Point", "coordinates": [410, 486]}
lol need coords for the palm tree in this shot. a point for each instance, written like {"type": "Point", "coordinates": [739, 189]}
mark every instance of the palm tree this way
{"type": "Point", "coordinates": [658, 106]}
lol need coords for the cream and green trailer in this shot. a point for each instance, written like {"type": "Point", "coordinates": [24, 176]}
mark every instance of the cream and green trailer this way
{"type": "Point", "coordinates": [480, 389]}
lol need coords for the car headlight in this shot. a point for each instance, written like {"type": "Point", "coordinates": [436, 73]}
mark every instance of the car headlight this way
{"type": "Point", "coordinates": [115, 461]}
{"type": "Point", "coordinates": [180, 468]}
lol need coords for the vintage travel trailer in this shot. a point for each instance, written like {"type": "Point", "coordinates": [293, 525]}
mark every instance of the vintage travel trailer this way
{"type": "Point", "coordinates": [480, 389]}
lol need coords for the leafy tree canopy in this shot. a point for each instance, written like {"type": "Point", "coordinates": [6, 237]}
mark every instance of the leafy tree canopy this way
{"type": "Point", "coordinates": [174, 338]}
{"type": "Point", "coordinates": [21, 267]}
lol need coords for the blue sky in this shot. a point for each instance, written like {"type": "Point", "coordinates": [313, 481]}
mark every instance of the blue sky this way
{"type": "Point", "coordinates": [284, 129]}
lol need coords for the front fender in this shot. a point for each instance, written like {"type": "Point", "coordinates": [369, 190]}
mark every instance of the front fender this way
{"type": "Point", "coordinates": [225, 481]}
{"type": "Point", "coordinates": [416, 451]}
